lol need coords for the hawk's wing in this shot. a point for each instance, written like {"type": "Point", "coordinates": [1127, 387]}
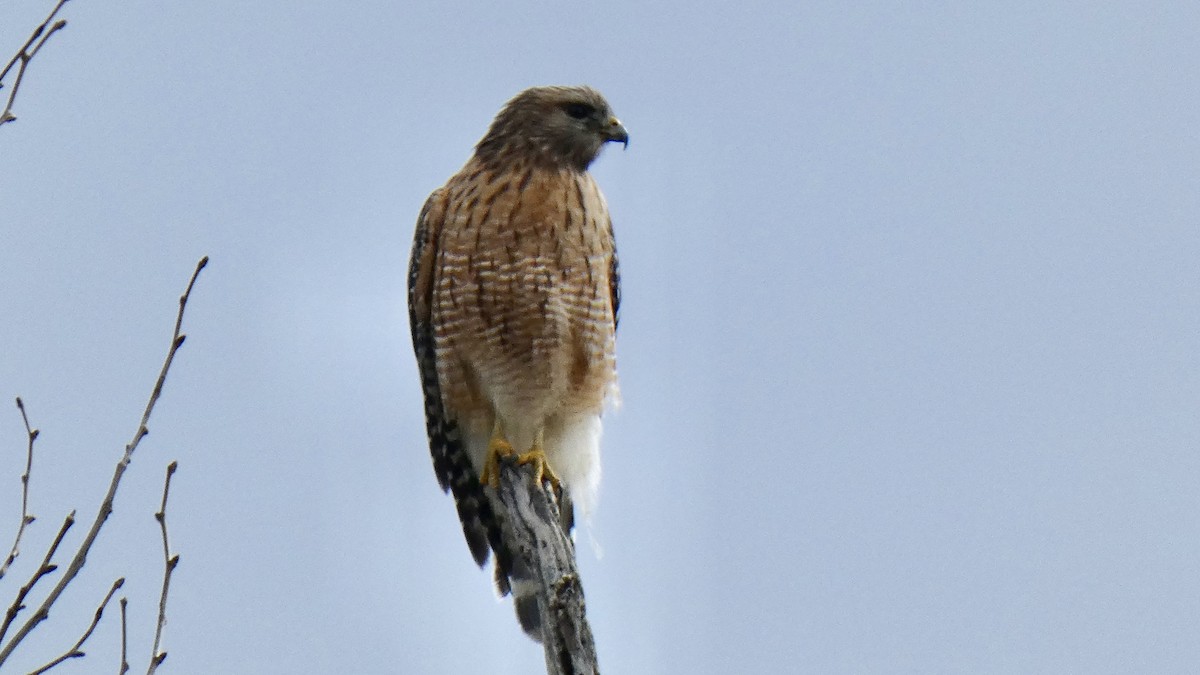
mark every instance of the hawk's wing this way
{"type": "Point", "coordinates": [450, 460]}
{"type": "Point", "coordinates": [614, 279]}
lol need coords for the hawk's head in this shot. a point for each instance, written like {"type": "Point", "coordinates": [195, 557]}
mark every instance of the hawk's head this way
{"type": "Point", "coordinates": [559, 126]}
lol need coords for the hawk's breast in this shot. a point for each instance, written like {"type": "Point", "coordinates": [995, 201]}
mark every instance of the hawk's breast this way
{"type": "Point", "coordinates": [523, 291]}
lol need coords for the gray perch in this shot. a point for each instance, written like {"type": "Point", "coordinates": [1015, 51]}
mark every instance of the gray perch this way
{"type": "Point", "coordinates": [539, 543]}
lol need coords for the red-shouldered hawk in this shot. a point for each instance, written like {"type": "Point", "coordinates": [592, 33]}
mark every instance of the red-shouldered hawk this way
{"type": "Point", "coordinates": [513, 294]}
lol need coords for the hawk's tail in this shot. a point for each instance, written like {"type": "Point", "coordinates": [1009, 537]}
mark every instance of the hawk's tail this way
{"type": "Point", "coordinates": [483, 523]}
{"type": "Point", "coordinates": [525, 602]}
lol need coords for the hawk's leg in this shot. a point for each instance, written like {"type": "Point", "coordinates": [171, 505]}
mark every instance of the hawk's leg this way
{"type": "Point", "coordinates": [541, 468]}
{"type": "Point", "coordinates": [498, 446]}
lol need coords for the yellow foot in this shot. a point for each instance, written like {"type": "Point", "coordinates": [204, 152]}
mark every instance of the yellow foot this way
{"type": "Point", "coordinates": [497, 447]}
{"type": "Point", "coordinates": [541, 469]}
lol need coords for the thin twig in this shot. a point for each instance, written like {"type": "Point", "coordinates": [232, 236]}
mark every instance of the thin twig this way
{"type": "Point", "coordinates": [157, 657]}
{"type": "Point", "coordinates": [124, 640]}
{"type": "Point", "coordinates": [106, 507]}
{"type": "Point", "coordinates": [26, 518]}
{"type": "Point", "coordinates": [45, 568]}
{"type": "Point", "coordinates": [75, 652]}
{"type": "Point", "coordinates": [40, 35]}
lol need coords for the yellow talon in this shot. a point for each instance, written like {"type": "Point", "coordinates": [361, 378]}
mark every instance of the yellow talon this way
{"type": "Point", "coordinates": [497, 447]}
{"type": "Point", "coordinates": [541, 468]}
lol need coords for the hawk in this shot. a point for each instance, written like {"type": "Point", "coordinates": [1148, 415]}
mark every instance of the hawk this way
{"type": "Point", "coordinates": [513, 293]}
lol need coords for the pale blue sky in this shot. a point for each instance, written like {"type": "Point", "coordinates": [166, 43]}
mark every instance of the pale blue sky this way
{"type": "Point", "coordinates": [910, 347]}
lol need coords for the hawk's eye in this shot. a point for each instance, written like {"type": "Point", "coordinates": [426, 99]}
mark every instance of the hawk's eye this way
{"type": "Point", "coordinates": [578, 110]}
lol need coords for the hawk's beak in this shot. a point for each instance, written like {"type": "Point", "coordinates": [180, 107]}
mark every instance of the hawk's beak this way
{"type": "Point", "coordinates": [615, 131]}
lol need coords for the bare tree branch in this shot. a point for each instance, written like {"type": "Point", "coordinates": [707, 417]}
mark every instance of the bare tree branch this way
{"type": "Point", "coordinates": [548, 553]}
{"type": "Point", "coordinates": [75, 651]}
{"type": "Point", "coordinates": [26, 518]}
{"type": "Point", "coordinates": [106, 507]}
{"type": "Point", "coordinates": [30, 49]}
{"type": "Point", "coordinates": [124, 640]}
{"type": "Point", "coordinates": [45, 568]}
{"type": "Point", "coordinates": [157, 657]}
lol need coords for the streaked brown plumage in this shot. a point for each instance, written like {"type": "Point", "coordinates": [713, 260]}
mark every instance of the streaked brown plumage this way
{"type": "Point", "coordinates": [513, 299]}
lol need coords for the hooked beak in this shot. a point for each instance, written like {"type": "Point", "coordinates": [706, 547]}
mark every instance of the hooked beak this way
{"type": "Point", "coordinates": [615, 131]}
